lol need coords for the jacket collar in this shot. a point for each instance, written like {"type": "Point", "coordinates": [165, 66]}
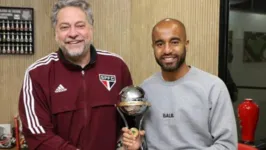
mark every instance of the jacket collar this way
{"type": "Point", "coordinates": [70, 65]}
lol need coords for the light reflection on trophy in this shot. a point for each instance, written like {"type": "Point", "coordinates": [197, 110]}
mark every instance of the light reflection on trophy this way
{"type": "Point", "coordinates": [133, 103]}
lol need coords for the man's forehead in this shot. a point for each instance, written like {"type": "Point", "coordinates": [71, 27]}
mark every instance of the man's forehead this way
{"type": "Point", "coordinates": [71, 13]}
{"type": "Point", "coordinates": [168, 26]}
{"type": "Point", "coordinates": [168, 30]}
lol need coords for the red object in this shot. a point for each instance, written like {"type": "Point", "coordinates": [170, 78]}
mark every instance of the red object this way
{"type": "Point", "coordinates": [245, 147]}
{"type": "Point", "coordinates": [16, 122]}
{"type": "Point", "coordinates": [248, 113]}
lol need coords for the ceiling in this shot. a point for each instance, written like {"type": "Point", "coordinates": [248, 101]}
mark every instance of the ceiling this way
{"type": "Point", "coordinates": [258, 6]}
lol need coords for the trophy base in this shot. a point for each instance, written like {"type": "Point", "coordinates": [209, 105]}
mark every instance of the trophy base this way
{"type": "Point", "coordinates": [134, 131]}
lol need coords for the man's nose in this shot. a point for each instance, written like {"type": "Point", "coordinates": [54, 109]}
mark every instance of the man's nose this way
{"type": "Point", "coordinates": [72, 32]}
{"type": "Point", "coordinates": [167, 49]}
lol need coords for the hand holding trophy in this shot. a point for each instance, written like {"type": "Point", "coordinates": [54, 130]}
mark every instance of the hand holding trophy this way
{"type": "Point", "coordinates": [133, 103]}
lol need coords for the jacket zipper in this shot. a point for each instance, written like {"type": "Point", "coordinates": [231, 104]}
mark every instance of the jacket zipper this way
{"type": "Point", "coordinates": [85, 106]}
{"type": "Point", "coordinates": [84, 96]}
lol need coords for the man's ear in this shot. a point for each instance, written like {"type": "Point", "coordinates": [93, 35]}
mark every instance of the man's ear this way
{"type": "Point", "coordinates": [187, 44]}
{"type": "Point", "coordinates": [55, 36]}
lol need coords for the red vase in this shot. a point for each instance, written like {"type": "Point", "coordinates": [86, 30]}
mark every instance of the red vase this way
{"type": "Point", "coordinates": [248, 113]}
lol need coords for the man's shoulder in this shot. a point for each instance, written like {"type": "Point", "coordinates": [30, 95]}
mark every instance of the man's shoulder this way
{"type": "Point", "coordinates": [108, 59]}
{"type": "Point", "coordinates": [202, 72]}
{"type": "Point", "coordinates": [42, 65]}
{"type": "Point", "coordinates": [108, 55]}
{"type": "Point", "coordinates": [206, 78]}
{"type": "Point", "coordinates": [151, 79]}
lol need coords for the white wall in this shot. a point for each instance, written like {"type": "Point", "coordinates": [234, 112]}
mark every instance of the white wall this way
{"type": "Point", "coordinates": [248, 74]}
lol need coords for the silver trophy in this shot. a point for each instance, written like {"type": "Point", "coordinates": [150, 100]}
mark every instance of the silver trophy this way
{"type": "Point", "coordinates": [133, 103]}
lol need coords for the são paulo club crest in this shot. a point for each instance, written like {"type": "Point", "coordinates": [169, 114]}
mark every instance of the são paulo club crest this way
{"type": "Point", "coordinates": [107, 80]}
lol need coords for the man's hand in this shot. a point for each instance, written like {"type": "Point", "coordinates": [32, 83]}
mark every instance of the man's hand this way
{"type": "Point", "coordinates": [132, 141]}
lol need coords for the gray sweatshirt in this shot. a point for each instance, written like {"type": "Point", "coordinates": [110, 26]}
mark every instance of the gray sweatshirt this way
{"type": "Point", "coordinates": [192, 113]}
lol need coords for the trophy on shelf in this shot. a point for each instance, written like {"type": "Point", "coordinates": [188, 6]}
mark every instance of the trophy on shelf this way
{"type": "Point", "coordinates": [133, 103]}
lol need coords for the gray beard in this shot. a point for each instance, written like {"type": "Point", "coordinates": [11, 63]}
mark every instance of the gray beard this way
{"type": "Point", "coordinates": [75, 56]}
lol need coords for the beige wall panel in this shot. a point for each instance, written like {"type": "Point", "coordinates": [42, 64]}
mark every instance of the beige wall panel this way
{"type": "Point", "coordinates": [12, 68]}
{"type": "Point", "coordinates": [112, 26]}
{"type": "Point", "coordinates": [201, 17]}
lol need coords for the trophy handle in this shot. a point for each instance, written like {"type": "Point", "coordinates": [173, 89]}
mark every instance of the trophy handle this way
{"type": "Point", "coordinates": [141, 90]}
{"type": "Point", "coordinates": [124, 89]}
{"type": "Point", "coordinates": [144, 144]}
{"type": "Point", "coordinates": [123, 117]}
{"type": "Point", "coordinates": [141, 119]}
{"type": "Point", "coordinates": [143, 141]}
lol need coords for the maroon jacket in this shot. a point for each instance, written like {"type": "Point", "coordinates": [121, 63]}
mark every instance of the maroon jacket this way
{"type": "Point", "coordinates": [63, 106]}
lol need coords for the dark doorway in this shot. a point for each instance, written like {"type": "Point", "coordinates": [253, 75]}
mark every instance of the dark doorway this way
{"type": "Point", "coordinates": [242, 54]}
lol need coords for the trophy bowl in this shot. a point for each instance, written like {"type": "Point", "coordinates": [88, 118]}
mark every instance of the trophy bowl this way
{"type": "Point", "coordinates": [132, 101]}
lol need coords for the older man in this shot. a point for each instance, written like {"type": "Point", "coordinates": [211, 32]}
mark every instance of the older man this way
{"type": "Point", "coordinates": [67, 99]}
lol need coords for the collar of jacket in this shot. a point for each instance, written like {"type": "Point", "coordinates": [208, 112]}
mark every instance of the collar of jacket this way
{"type": "Point", "coordinates": [72, 66]}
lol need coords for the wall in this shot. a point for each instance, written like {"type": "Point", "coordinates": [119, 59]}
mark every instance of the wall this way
{"type": "Point", "coordinates": [126, 30]}
{"type": "Point", "coordinates": [248, 74]}
{"type": "Point", "coordinates": [201, 18]}
{"type": "Point", "coordinates": [123, 27]}
{"type": "Point", "coordinates": [12, 68]}
{"type": "Point", "coordinates": [239, 22]}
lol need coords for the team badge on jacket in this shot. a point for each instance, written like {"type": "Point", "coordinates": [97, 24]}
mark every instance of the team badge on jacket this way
{"type": "Point", "coordinates": [108, 80]}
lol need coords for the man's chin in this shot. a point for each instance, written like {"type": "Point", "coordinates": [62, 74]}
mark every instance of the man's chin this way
{"type": "Point", "coordinates": [75, 54]}
{"type": "Point", "coordinates": [74, 51]}
{"type": "Point", "coordinates": [169, 68]}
